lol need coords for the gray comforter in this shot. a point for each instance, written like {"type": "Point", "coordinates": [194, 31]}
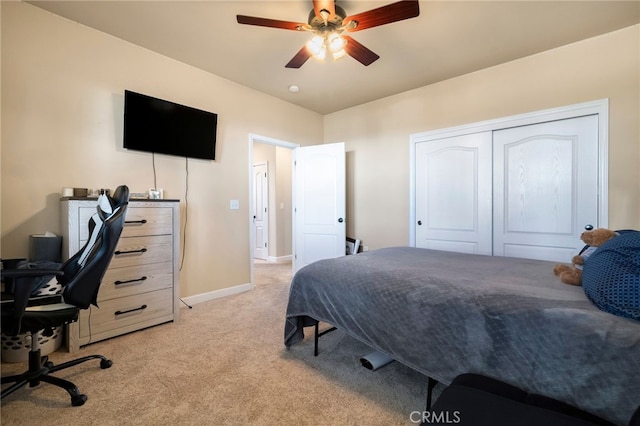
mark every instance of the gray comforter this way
{"type": "Point", "coordinates": [444, 314]}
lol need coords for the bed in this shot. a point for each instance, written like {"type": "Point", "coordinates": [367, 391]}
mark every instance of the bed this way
{"type": "Point", "coordinates": [445, 314]}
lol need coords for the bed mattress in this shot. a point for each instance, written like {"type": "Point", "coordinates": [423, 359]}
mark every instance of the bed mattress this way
{"type": "Point", "coordinates": [444, 314]}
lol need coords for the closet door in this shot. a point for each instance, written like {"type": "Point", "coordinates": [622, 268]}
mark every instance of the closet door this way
{"type": "Point", "coordinates": [545, 184]}
{"type": "Point", "coordinates": [453, 194]}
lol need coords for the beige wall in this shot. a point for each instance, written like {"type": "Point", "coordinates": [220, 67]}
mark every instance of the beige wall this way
{"type": "Point", "coordinates": [62, 108]}
{"type": "Point", "coordinates": [61, 111]}
{"type": "Point", "coordinates": [283, 203]}
{"type": "Point", "coordinates": [378, 132]}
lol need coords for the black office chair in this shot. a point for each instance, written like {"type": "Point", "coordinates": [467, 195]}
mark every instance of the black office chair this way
{"type": "Point", "coordinates": [80, 278]}
{"type": "Point", "coordinates": [476, 400]}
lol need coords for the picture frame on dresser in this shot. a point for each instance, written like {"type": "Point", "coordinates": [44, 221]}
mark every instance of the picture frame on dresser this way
{"type": "Point", "coordinates": [141, 288]}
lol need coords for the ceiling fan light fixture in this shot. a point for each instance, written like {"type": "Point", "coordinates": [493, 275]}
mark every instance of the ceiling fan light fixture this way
{"type": "Point", "coordinates": [316, 45]}
{"type": "Point", "coordinates": [339, 54]}
{"type": "Point", "coordinates": [336, 43]}
{"type": "Point", "coordinates": [321, 54]}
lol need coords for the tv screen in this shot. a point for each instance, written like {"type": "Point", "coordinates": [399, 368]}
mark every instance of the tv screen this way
{"type": "Point", "coordinates": [164, 127]}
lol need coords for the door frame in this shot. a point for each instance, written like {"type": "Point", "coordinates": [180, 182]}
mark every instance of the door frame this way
{"type": "Point", "coordinates": [255, 138]}
{"type": "Point", "coordinates": [598, 107]}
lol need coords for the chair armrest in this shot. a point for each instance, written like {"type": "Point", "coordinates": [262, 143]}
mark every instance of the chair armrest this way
{"type": "Point", "coordinates": [29, 273]}
{"type": "Point", "coordinates": [22, 286]}
{"type": "Point", "coordinates": [11, 263]}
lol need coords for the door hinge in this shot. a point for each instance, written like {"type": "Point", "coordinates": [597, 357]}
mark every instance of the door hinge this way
{"type": "Point", "coordinates": [265, 245]}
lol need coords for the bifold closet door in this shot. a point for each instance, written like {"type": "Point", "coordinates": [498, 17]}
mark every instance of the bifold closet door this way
{"type": "Point", "coordinates": [545, 187]}
{"type": "Point", "coordinates": [453, 194]}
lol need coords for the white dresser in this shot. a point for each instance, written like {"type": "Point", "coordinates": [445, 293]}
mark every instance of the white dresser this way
{"type": "Point", "coordinates": [141, 287]}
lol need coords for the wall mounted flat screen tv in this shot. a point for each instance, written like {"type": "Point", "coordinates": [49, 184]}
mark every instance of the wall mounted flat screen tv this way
{"type": "Point", "coordinates": [164, 127]}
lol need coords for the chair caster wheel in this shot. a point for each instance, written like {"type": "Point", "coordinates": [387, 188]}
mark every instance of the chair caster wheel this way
{"type": "Point", "coordinates": [48, 364]}
{"type": "Point", "coordinates": [106, 363]}
{"type": "Point", "coordinates": [78, 400]}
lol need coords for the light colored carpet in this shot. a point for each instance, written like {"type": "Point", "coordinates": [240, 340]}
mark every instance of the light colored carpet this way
{"type": "Point", "coordinates": [224, 363]}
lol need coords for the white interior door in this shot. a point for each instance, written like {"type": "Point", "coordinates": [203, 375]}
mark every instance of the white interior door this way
{"type": "Point", "coordinates": [319, 202]}
{"type": "Point", "coordinates": [453, 194]}
{"type": "Point", "coordinates": [260, 211]}
{"type": "Point", "coordinates": [545, 187]}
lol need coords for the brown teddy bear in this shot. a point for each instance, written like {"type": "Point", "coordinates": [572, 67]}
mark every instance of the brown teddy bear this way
{"type": "Point", "coordinates": [572, 274]}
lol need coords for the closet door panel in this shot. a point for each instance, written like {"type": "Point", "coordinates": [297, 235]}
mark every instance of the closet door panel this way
{"type": "Point", "coordinates": [544, 179]}
{"type": "Point", "coordinates": [453, 194]}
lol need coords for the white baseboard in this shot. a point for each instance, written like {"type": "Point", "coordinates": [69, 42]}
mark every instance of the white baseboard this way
{"type": "Point", "coordinates": [280, 259]}
{"type": "Point", "coordinates": [217, 294]}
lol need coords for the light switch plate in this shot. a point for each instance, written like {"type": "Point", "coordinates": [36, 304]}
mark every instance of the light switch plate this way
{"type": "Point", "coordinates": [234, 204]}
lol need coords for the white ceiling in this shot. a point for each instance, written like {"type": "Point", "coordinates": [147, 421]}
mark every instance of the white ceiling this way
{"type": "Point", "coordinates": [448, 39]}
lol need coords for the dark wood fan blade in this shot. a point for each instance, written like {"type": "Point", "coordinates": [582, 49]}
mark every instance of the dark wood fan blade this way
{"type": "Point", "coordinates": [299, 59]}
{"type": "Point", "coordinates": [272, 23]}
{"type": "Point", "coordinates": [328, 5]}
{"type": "Point", "coordinates": [360, 53]}
{"type": "Point", "coordinates": [393, 12]}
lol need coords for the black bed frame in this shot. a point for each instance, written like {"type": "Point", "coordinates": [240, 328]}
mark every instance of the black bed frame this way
{"type": "Point", "coordinates": [431, 383]}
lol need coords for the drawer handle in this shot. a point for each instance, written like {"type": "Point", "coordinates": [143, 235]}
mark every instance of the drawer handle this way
{"type": "Point", "coordinates": [131, 310]}
{"type": "Point", "coordinates": [130, 281]}
{"type": "Point", "coordinates": [117, 252]}
{"type": "Point", "coordinates": [141, 222]}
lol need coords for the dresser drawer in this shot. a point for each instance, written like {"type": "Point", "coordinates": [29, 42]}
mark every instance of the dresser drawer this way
{"type": "Point", "coordinates": [142, 251]}
{"type": "Point", "coordinates": [124, 312]}
{"type": "Point", "coordinates": [148, 221]}
{"type": "Point", "coordinates": [139, 221]}
{"type": "Point", "coordinates": [130, 280]}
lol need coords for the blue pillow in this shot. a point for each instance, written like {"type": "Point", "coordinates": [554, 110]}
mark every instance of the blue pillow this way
{"type": "Point", "coordinates": [611, 276]}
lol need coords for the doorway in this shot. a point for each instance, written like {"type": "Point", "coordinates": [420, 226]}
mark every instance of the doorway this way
{"type": "Point", "coordinates": [276, 155]}
{"type": "Point", "coordinates": [320, 193]}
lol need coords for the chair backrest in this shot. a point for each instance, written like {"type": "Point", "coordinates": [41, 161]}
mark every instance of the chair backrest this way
{"type": "Point", "coordinates": [84, 271]}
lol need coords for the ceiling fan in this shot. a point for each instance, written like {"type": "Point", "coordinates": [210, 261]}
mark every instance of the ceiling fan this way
{"type": "Point", "coordinates": [328, 22]}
